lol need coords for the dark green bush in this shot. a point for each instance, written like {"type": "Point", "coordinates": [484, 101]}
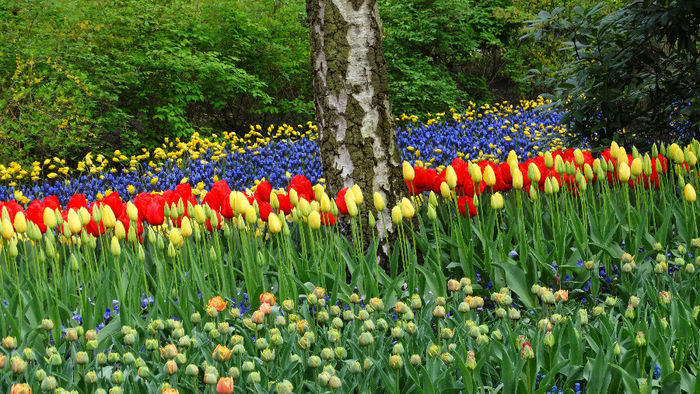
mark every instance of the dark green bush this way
{"type": "Point", "coordinates": [635, 68]}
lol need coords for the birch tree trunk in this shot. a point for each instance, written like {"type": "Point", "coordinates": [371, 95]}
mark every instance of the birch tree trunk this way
{"type": "Point", "coordinates": [351, 97]}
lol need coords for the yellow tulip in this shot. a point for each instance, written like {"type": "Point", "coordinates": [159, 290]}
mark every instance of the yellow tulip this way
{"type": "Point", "coordinates": [379, 203]}
{"type": "Point", "coordinates": [489, 176]}
{"type": "Point", "coordinates": [636, 169]}
{"type": "Point", "coordinates": [7, 230]}
{"type": "Point", "coordinates": [357, 193]}
{"type": "Point", "coordinates": [108, 218]}
{"type": "Point", "coordinates": [351, 206]}
{"type": "Point", "coordinates": [314, 220]}
{"type": "Point", "coordinates": [517, 179]}
{"type": "Point", "coordinates": [132, 212]}
{"type": "Point", "coordinates": [114, 247]}
{"type": "Point", "coordinates": [20, 222]}
{"type": "Point", "coordinates": [623, 172]}
{"type": "Point", "coordinates": [325, 203]}
{"type": "Point", "coordinates": [407, 209]}
{"type": "Point", "coordinates": [250, 216]}
{"type": "Point", "coordinates": [445, 190]}
{"type": "Point", "coordinates": [689, 193]}
{"type": "Point", "coordinates": [49, 218]}
{"type": "Point", "coordinates": [451, 177]}
{"type": "Point", "coordinates": [548, 160]}
{"type": "Point", "coordinates": [497, 201]}
{"type": "Point", "coordinates": [408, 172]}
{"type": "Point", "coordinates": [119, 230]}
{"type": "Point", "coordinates": [318, 191]}
{"type": "Point", "coordinates": [512, 158]}
{"type": "Point", "coordinates": [175, 236]}
{"type": "Point", "coordinates": [396, 216]}
{"type": "Point", "coordinates": [74, 222]}
{"type": "Point", "coordinates": [304, 207]}
{"type": "Point", "coordinates": [293, 197]}
{"type": "Point", "coordinates": [548, 186]}
{"type": "Point", "coordinates": [475, 173]}
{"type": "Point", "coordinates": [242, 204]}
{"type": "Point", "coordinates": [186, 227]}
{"type": "Point", "coordinates": [199, 214]}
{"type": "Point", "coordinates": [274, 224]}
{"type": "Point", "coordinates": [84, 215]}
{"type": "Point", "coordinates": [621, 154]}
{"type": "Point", "coordinates": [274, 201]}
{"type": "Point", "coordinates": [614, 149]}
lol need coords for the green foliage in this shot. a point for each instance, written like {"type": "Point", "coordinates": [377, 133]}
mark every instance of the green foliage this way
{"type": "Point", "coordinates": [443, 53]}
{"type": "Point", "coordinates": [635, 68]}
{"type": "Point", "coordinates": [149, 68]}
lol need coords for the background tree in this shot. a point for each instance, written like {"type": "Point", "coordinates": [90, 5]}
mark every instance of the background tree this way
{"type": "Point", "coordinates": [351, 97]}
{"type": "Point", "coordinates": [635, 68]}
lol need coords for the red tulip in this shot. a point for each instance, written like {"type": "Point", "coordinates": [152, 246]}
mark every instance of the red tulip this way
{"type": "Point", "coordinates": [155, 212]}
{"type": "Point", "coordinates": [35, 214]}
{"type": "Point", "coordinates": [466, 200]}
{"type": "Point", "coordinates": [262, 191]}
{"type": "Point", "coordinates": [302, 186]}
{"type": "Point", "coordinates": [340, 201]}
{"type": "Point", "coordinates": [265, 210]}
{"type": "Point", "coordinates": [77, 201]}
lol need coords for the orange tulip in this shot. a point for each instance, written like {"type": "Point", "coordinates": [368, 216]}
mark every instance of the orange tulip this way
{"type": "Point", "coordinates": [258, 316]}
{"type": "Point", "coordinates": [217, 303]}
{"type": "Point", "coordinates": [221, 353]}
{"type": "Point", "coordinates": [265, 308]}
{"type": "Point", "coordinates": [561, 295]}
{"type": "Point", "coordinates": [224, 386]}
{"type": "Point", "coordinates": [267, 298]}
{"type": "Point", "coordinates": [21, 388]}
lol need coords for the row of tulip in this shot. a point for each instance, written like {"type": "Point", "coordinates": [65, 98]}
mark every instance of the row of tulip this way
{"type": "Point", "coordinates": [272, 153]}
{"type": "Point", "coordinates": [159, 255]}
{"type": "Point", "coordinates": [461, 342]}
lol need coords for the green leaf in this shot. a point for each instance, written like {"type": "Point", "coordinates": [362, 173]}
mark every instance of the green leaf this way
{"type": "Point", "coordinates": [515, 279]}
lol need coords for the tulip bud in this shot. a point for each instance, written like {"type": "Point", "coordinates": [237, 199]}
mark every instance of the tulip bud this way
{"type": "Point", "coordinates": [170, 367]}
{"type": "Point", "coordinates": [451, 177]}
{"type": "Point", "coordinates": [636, 168]}
{"type": "Point", "coordinates": [475, 173]}
{"type": "Point", "coordinates": [396, 216]}
{"type": "Point", "coordinates": [623, 172]}
{"type": "Point", "coordinates": [517, 179]}
{"type": "Point", "coordinates": [526, 352]}
{"type": "Point", "coordinates": [8, 230]}
{"type": "Point", "coordinates": [357, 194]}
{"type": "Point", "coordinates": [489, 176]}
{"type": "Point", "coordinates": [559, 166]}
{"type": "Point", "coordinates": [9, 343]}
{"type": "Point", "coordinates": [395, 361]}
{"type": "Point", "coordinates": [408, 172]}
{"type": "Point", "coordinates": [108, 218]}
{"type": "Point", "coordinates": [432, 214]}
{"type": "Point", "coordinates": [314, 220]}
{"type": "Point", "coordinates": [548, 160]}
{"type": "Point", "coordinates": [407, 209]}
{"type": "Point", "coordinates": [689, 193]}
{"type": "Point", "coordinates": [445, 191]}
{"type": "Point", "coordinates": [548, 189]}
{"type": "Point", "coordinates": [351, 205]}
{"type": "Point", "coordinates": [640, 340]}
{"type": "Point", "coordinates": [533, 173]}
{"type": "Point", "coordinates": [497, 201]}
{"type": "Point", "coordinates": [20, 222]}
